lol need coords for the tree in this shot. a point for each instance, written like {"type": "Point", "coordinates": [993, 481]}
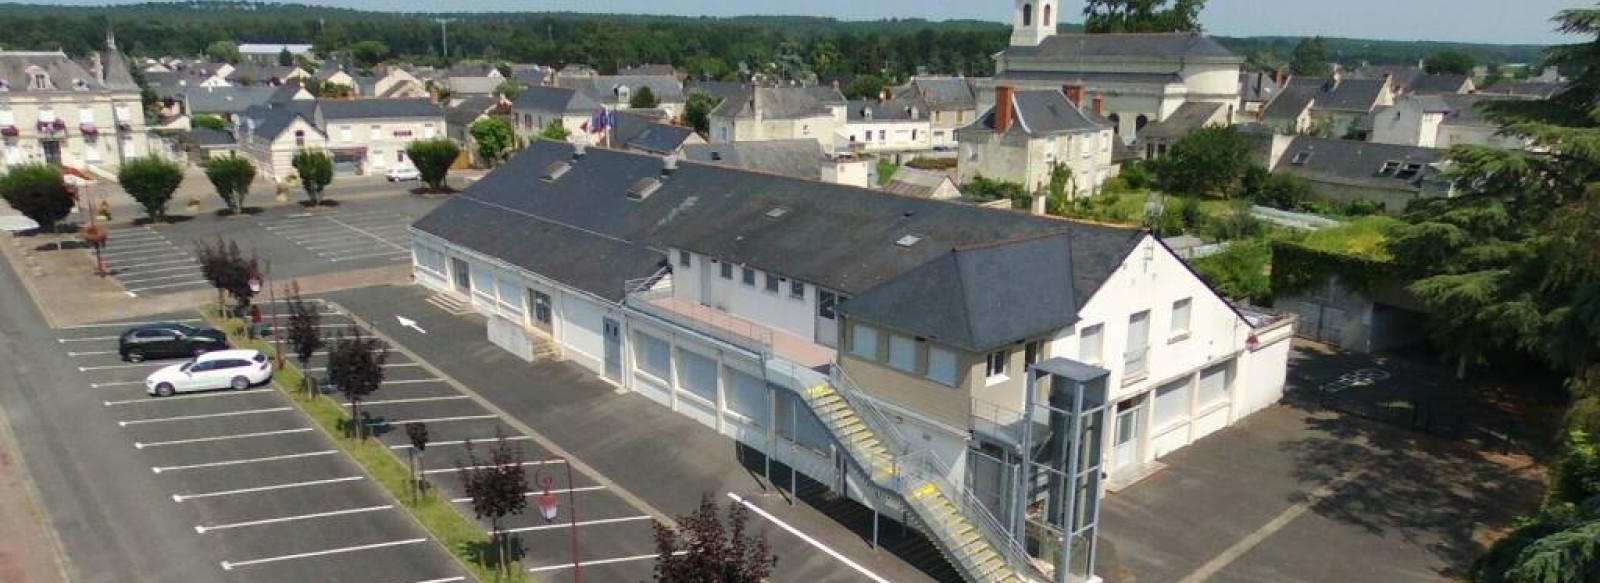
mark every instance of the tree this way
{"type": "Point", "coordinates": [494, 138]}
{"type": "Point", "coordinates": [866, 87]}
{"type": "Point", "coordinates": [368, 53]}
{"type": "Point", "coordinates": [1279, 190]}
{"type": "Point", "coordinates": [433, 159]}
{"type": "Point", "coordinates": [1310, 58]}
{"type": "Point", "coordinates": [222, 50]}
{"type": "Point", "coordinates": [697, 110]}
{"type": "Point", "coordinates": [1238, 271]}
{"type": "Point", "coordinates": [39, 192]}
{"type": "Point", "coordinates": [498, 486]}
{"type": "Point", "coordinates": [983, 189]}
{"type": "Point", "coordinates": [1103, 16]}
{"type": "Point", "coordinates": [1208, 161]}
{"type": "Point", "coordinates": [707, 550]}
{"type": "Point", "coordinates": [1449, 61]}
{"type": "Point", "coordinates": [315, 169]}
{"type": "Point", "coordinates": [355, 367]}
{"type": "Point", "coordinates": [643, 98]}
{"type": "Point", "coordinates": [231, 175]}
{"type": "Point", "coordinates": [151, 181]}
{"type": "Point", "coordinates": [555, 131]}
{"type": "Point", "coordinates": [228, 270]}
{"type": "Point", "coordinates": [285, 58]}
{"type": "Point", "coordinates": [510, 90]}
{"type": "Point", "coordinates": [417, 433]}
{"type": "Point", "coordinates": [303, 330]}
{"type": "Point", "coordinates": [208, 121]}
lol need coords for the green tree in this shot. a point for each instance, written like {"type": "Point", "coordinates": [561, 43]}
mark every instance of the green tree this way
{"type": "Point", "coordinates": [38, 192]}
{"type": "Point", "coordinates": [886, 169]}
{"type": "Point", "coordinates": [1279, 190]}
{"type": "Point", "coordinates": [866, 87]}
{"type": "Point", "coordinates": [1207, 162]}
{"type": "Point", "coordinates": [315, 169]}
{"type": "Point", "coordinates": [368, 53]}
{"type": "Point", "coordinates": [1238, 271]}
{"type": "Point", "coordinates": [224, 51]}
{"type": "Point", "coordinates": [1057, 192]}
{"type": "Point", "coordinates": [510, 90]}
{"type": "Point", "coordinates": [1449, 61]}
{"type": "Point", "coordinates": [697, 111]}
{"type": "Point", "coordinates": [643, 98]}
{"type": "Point", "coordinates": [285, 58]}
{"type": "Point", "coordinates": [433, 159]}
{"type": "Point", "coordinates": [151, 181]}
{"type": "Point", "coordinates": [208, 121]}
{"type": "Point", "coordinates": [555, 131]}
{"type": "Point", "coordinates": [231, 175]}
{"type": "Point", "coordinates": [1103, 16]}
{"type": "Point", "coordinates": [1310, 58]}
{"type": "Point", "coordinates": [494, 138]}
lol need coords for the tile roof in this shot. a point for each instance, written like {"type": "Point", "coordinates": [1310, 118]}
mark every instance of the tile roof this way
{"type": "Point", "coordinates": [378, 108]}
{"type": "Point", "coordinates": [1173, 45]}
{"type": "Point", "coordinates": [793, 158]}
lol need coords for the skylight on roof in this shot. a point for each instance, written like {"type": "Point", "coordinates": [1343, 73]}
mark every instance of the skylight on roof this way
{"type": "Point", "coordinates": [1409, 171]}
{"type": "Point", "coordinates": [908, 240]}
{"type": "Point", "coordinates": [1300, 157]}
{"type": "Point", "coordinates": [643, 188]}
{"type": "Point", "coordinates": [1388, 168]}
{"type": "Point", "coordinates": [555, 171]}
{"type": "Point", "coordinates": [777, 212]}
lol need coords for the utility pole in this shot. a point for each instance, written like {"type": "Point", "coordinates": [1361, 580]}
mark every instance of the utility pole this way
{"type": "Point", "coordinates": [444, 36]}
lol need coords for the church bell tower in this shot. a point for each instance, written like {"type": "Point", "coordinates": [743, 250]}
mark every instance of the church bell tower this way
{"type": "Point", "coordinates": [1032, 21]}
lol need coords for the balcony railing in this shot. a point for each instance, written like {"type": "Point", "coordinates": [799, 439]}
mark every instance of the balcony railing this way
{"type": "Point", "coordinates": [653, 295]}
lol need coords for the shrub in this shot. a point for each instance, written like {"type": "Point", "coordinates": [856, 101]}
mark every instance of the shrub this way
{"type": "Point", "coordinates": [1277, 190]}
{"type": "Point", "coordinates": [151, 181]}
{"type": "Point", "coordinates": [231, 175]}
{"type": "Point", "coordinates": [433, 159]}
{"type": "Point", "coordinates": [1236, 224]}
{"type": "Point", "coordinates": [926, 163]}
{"type": "Point", "coordinates": [1240, 271]}
{"type": "Point", "coordinates": [38, 192]}
{"type": "Point", "coordinates": [315, 168]}
{"type": "Point", "coordinates": [1136, 175]}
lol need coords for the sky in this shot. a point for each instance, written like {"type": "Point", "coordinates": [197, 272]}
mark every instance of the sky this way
{"type": "Point", "coordinates": [1485, 21]}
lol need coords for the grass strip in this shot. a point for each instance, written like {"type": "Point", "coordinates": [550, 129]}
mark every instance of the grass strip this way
{"type": "Point", "coordinates": [459, 533]}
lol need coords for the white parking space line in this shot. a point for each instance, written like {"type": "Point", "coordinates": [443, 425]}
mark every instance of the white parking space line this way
{"type": "Point", "coordinates": [115, 384]}
{"type": "Point", "coordinates": [403, 364]}
{"type": "Point", "coordinates": [805, 537]}
{"type": "Point", "coordinates": [181, 497]}
{"type": "Point", "coordinates": [562, 566]}
{"type": "Point", "coordinates": [534, 492]}
{"type": "Point", "coordinates": [120, 265]}
{"type": "Point", "coordinates": [230, 565]}
{"type": "Point", "coordinates": [444, 580]}
{"type": "Point", "coordinates": [200, 282]}
{"type": "Point", "coordinates": [272, 458]}
{"type": "Point", "coordinates": [163, 269]}
{"type": "Point", "coordinates": [462, 441]}
{"type": "Point", "coordinates": [128, 324]}
{"type": "Point", "coordinates": [413, 381]}
{"type": "Point", "coordinates": [415, 400]}
{"type": "Point", "coordinates": [202, 529]}
{"type": "Point", "coordinates": [123, 366]}
{"type": "Point", "coordinates": [205, 416]}
{"type": "Point", "coordinates": [142, 250]}
{"type": "Point", "coordinates": [89, 339]}
{"type": "Point", "coordinates": [433, 420]}
{"type": "Point", "coordinates": [306, 217]}
{"type": "Point", "coordinates": [523, 464]}
{"type": "Point", "coordinates": [386, 230]}
{"type": "Point", "coordinates": [555, 526]}
{"type": "Point", "coordinates": [90, 353]}
{"type": "Point", "coordinates": [367, 233]}
{"type": "Point", "coordinates": [186, 276]}
{"type": "Point", "coordinates": [142, 444]}
{"type": "Point", "coordinates": [185, 397]}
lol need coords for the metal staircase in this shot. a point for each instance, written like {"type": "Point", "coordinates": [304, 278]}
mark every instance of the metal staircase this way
{"type": "Point", "coordinates": [970, 538]}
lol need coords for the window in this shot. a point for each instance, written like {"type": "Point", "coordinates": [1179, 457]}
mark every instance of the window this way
{"type": "Point", "coordinates": [883, 135]}
{"type": "Point", "coordinates": [1027, 15]}
{"type": "Point", "coordinates": [995, 368]}
{"type": "Point", "coordinates": [941, 365]}
{"type": "Point", "coordinates": [748, 276]}
{"type": "Point", "coordinates": [727, 270]}
{"type": "Point", "coordinates": [654, 356]}
{"type": "Point", "coordinates": [428, 132]}
{"type": "Point", "coordinates": [697, 374]}
{"type": "Point", "coordinates": [826, 300]}
{"type": "Point", "coordinates": [864, 342]}
{"type": "Point", "coordinates": [1089, 344]}
{"type": "Point", "coordinates": [41, 81]}
{"type": "Point", "coordinates": [541, 306]}
{"type": "Point", "coordinates": [774, 283]}
{"type": "Point", "coordinates": [1180, 318]}
{"type": "Point", "coordinates": [299, 138]}
{"type": "Point", "coordinates": [1031, 353]}
{"type": "Point", "coordinates": [1408, 171]}
{"type": "Point", "coordinates": [797, 290]}
{"type": "Point", "coordinates": [1172, 404]}
{"type": "Point", "coordinates": [1138, 339]}
{"type": "Point", "coordinates": [375, 132]}
{"type": "Point", "coordinates": [399, 155]}
{"type": "Point", "coordinates": [1213, 387]}
{"type": "Point", "coordinates": [869, 135]}
{"type": "Point", "coordinates": [683, 258]}
{"type": "Point", "coordinates": [902, 353]}
{"type": "Point", "coordinates": [1389, 168]}
{"type": "Point", "coordinates": [746, 395]}
{"type": "Point", "coordinates": [430, 260]}
{"type": "Point", "coordinates": [1301, 157]}
{"type": "Point", "coordinates": [344, 133]}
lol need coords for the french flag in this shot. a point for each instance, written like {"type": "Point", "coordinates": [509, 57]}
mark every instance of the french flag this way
{"type": "Point", "coordinates": [601, 120]}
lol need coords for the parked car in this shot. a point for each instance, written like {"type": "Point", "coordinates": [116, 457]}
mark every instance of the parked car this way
{"type": "Point", "coordinates": [403, 174]}
{"type": "Point", "coordinates": [168, 340]}
{"type": "Point", "coordinates": [223, 369]}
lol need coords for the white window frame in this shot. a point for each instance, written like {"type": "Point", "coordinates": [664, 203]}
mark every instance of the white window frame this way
{"type": "Point", "coordinates": [995, 364]}
{"type": "Point", "coordinates": [1091, 344]}
{"type": "Point", "coordinates": [1170, 404]}
{"type": "Point", "coordinates": [1182, 319]}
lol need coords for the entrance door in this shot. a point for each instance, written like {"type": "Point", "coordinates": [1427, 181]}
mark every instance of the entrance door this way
{"type": "Point", "coordinates": [1130, 433]}
{"type": "Point", "coordinates": [708, 296]}
{"type": "Point", "coordinates": [52, 152]}
{"type": "Point", "coordinates": [827, 318]}
{"type": "Point", "coordinates": [463, 276]}
{"type": "Point", "coordinates": [541, 309]}
{"type": "Point", "coordinates": [613, 334]}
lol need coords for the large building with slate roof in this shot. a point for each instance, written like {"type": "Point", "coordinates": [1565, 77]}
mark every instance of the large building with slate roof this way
{"type": "Point", "coordinates": [1143, 77]}
{"type": "Point", "coordinates": [741, 299]}
{"type": "Point", "coordinates": [56, 111]}
{"type": "Point", "coordinates": [1350, 170]}
{"type": "Point", "coordinates": [1027, 134]}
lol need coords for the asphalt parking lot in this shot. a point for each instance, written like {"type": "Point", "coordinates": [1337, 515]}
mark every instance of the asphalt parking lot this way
{"type": "Point", "coordinates": [268, 496]}
{"type": "Point", "coordinates": [146, 262]}
{"type": "Point", "coordinates": [615, 538]}
{"type": "Point", "coordinates": [347, 238]}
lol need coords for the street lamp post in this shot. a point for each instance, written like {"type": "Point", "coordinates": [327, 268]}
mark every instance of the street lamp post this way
{"type": "Point", "coordinates": [256, 284]}
{"type": "Point", "coordinates": [549, 509]}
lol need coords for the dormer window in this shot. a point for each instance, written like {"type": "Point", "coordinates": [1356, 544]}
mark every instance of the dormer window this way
{"type": "Point", "coordinates": [1389, 168]}
{"type": "Point", "coordinates": [38, 79]}
{"type": "Point", "coordinates": [1301, 157]}
{"type": "Point", "coordinates": [1409, 171]}
{"type": "Point", "coordinates": [80, 85]}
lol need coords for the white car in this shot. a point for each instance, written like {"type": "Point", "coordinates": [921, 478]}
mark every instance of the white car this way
{"type": "Point", "coordinates": [403, 174]}
{"type": "Point", "coordinates": [223, 369]}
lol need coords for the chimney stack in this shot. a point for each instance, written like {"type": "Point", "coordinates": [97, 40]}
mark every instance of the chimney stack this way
{"type": "Point", "coordinates": [669, 165]}
{"type": "Point", "coordinates": [1099, 105]}
{"type": "Point", "coordinates": [1074, 94]}
{"type": "Point", "coordinates": [578, 151]}
{"type": "Point", "coordinates": [1278, 78]}
{"type": "Point", "coordinates": [1002, 108]}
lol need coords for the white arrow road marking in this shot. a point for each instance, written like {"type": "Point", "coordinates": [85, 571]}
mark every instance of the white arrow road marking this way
{"type": "Point", "coordinates": [202, 529]}
{"type": "Point", "coordinates": [205, 416]}
{"type": "Point", "coordinates": [142, 445]}
{"type": "Point", "coordinates": [229, 565]}
{"type": "Point", "coordinates": [409, 323]}
{"type": "Point", "coordinates": [274, 458]}
{"type": "Point", "coordinates": [182, 497]}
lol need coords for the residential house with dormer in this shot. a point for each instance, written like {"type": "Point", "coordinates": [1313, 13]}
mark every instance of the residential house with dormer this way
{"type": "Point", "coordinates": [950, 103]}
{"type": "Point", "coordinates": [56, 111]}
{"type": "Point", "coordinates": [782, 113]}
{"type": "Point", "coordinates": [1334, 106]}
{"type": "Point", "coordinates": [1027, 134]}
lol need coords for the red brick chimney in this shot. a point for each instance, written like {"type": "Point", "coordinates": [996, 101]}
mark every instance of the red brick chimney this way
{"type": "Point", "coordinates": [1278, 77]}
{"type": "Point", "coordinates": [1099, 105]}
{"type": "Point", "coordinates": [1003, 114]}
{"type": "Point", "coordinates": [1074, 94]}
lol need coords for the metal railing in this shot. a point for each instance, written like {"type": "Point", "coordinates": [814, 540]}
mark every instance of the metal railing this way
{"type": "Point", "coordinates": [653, 295]}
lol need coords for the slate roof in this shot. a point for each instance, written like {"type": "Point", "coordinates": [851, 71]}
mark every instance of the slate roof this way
{"type": "Point", "coordinates": [270, 122]}
{"type": "Point", "coordinates": [1043, 113]}
{"type": "Point", "coordinates": [793, 158]}
{"type": "Point", "coordinates": [908, 181]}
{"type": "Point", "coordinates": [1536, 89]}
{"type": "Point", "coordinates": [378, 108]}
{"type": "Point", "coordinates": [1467, 109]}
{"type": "Point", "coordinates": [467, 110]}
{"type": "Point", "coordinates": [14, 67]}
{"type": "Point", "coordinates": [1343, 95]}
{"type": "Point", "coordinates": [226, 99]}
{"type": "Point", "coordinates": [1401, 75]}
{"type": "Point", "coordinates": [666, 88]}
{"type": "Point", "coordinates": [473, 85]}
{"type": "Point", "coordinates": [781, 102]}
{"type": "Point", "coordinates": [1092, 77]}
{"type": "Point", "coordinates": [1289, 103]}
{"type": "Point", "coordinates": [118, 76]}
{"type": "Point", "coordinates": [554, 99]}
{"type": "Point", "coordinates": [1190, 116]}
{"type": "Point", "coordinates": [207, 137]}
{"type": "Point", "coordinates": [975, 278]}
{"type": "Point", "coordinates": [285, 93]}
{"type": "Point", "coordinates": [716, 89]}
{"type": "Point", "coordinates": [1358, 163]}
{"type": "Point", "coordinates": [1257, 86]}
{"type": "Point", "coordinates": [939, 93]}
{"type": "Point", "coordinates": [859, 110]}
{"type": "Point", "coordinates": [258, 73]}
{"type": "Point", "coordinates": [1173, 45]}
{"type": "Point", "coordinates": [1437, 84]}
{"type": "Point", "coordinates": [649, 69]}
{"type": "Point", "coordinates": [648, 134]}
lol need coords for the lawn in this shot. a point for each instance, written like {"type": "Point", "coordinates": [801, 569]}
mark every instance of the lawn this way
{"type": "Point", "coordinates": [1362, 237]}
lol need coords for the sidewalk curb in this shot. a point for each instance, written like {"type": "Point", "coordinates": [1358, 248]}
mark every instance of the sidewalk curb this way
{"type": "Point", "coordinates": [36, 508]}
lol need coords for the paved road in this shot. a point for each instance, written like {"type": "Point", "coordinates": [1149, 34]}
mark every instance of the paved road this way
{"type": "Point", "coordinates": [226, 486]}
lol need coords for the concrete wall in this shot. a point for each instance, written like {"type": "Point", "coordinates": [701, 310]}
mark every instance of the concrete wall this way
{"type": "Point", "coordinates": [822, 128]}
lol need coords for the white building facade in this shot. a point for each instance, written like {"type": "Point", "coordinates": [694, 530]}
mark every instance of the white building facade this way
{"type": "Point", "coordinates": [55, 111]}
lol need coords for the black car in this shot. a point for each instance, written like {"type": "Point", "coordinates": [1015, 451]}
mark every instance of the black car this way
{"type": "Point", "coordinates": [168, 340]}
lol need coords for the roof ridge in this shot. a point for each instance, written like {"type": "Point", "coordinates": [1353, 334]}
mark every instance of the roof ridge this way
{"type": "Point", "coordinates": [1011, 241]}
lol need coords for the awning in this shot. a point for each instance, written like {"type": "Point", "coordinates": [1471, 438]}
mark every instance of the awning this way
{"type": "Point", "coordinates": [9, 131]}
{"type": "Point", "coordinates": [88, 129]}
